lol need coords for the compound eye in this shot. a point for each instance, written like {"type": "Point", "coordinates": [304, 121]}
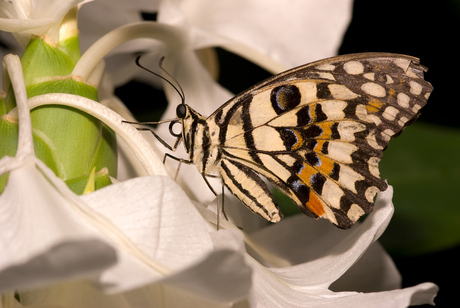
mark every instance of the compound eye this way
{"type": "Point", "coordinates": [181, 111]}
{"type": "Point", "coordinates": [171, 130]}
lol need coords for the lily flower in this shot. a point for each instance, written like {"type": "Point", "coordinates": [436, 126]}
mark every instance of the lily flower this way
{"type": "Point", "coordinates": [39, 18]}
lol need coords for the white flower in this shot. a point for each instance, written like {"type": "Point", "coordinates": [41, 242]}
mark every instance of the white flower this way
{"type": "Point", "coordinates": [168, 252]}
{"type": "Point", "coordinates": [26, 18]}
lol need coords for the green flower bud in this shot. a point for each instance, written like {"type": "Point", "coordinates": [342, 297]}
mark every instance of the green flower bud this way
{"type": "Point", "coordinates": [69, 141]}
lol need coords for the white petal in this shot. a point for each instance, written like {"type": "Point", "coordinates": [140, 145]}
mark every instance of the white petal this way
{"type": "Point", "coordinates": [161, 221]}
{"type": "Point", "coordinates": [374, 272]}
{"type": "Point", "coordinates": [222, 276]}
{"type": "Point", "coordinates": [116, 13]}
{"type": "Point", "coordinates": [269, 291]}
{"type": "Point", "coordinates": [42, 18]}
{"type": "Point", "coordinates": [335, 251]}
{"type": "Point", "coordinates": [157, 216]}
{"type": "Point", "coordinates": [291, 33]}
{"type": "Point", "coordinates": [38, 231]}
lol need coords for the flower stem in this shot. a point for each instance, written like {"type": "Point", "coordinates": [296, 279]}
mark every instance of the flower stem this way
{"type": "Point", "coordinates": [14, 68]}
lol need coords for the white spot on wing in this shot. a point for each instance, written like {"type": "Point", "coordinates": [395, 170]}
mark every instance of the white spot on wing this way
{"type": "Point", "coordinates": [332, 193]}
{"type": "Point", "coordinates": [362, 114]}
{"type": "Point", "coordinates": [348, 178]}
{"type": "Point", "coordinates": [355, 212]}
{"type": "Point", "coordinates": [370, 76]}
{"type": "Point", "coordinates": [328, 214]}
{"type": "Point", "coordinates": [389, 79]}
{"type": "Point", "coordinates": [373, 163]}
{"type": "Point", "coordinates": [334, 109]}
{"type": "Point", "coordinates": [326, 67]}
{"type": "Point", "coordinates": [402, 121]}
{"type": "Point", "coordinates": [372, 141]}
{"type": "Point", "coordinates": [415, 88]}
{"type": "Point", "coordinates": [370, 193]}
{"type": "Point", "coordinates": [347, 130]}
{"type": "Point", "coordinates": [341, 92]}
{"type": "Point", "coordinates": [327, 76]}
{"type": "Point", "coordinates": [387, 134]}
{"type": "Point", "coordinates": [341, 151]}
{"type": "Point", "coordinates": [416, 108]}
{"type": "Point", "coordinates": [403, 100]}
{"type": "Point", "coordinates": [390, 113]}
{"type": "Point", "coordinates": [375, 119]}
{"type": "Point", "coordinates": [402, 63]}
{"type": "Point", "coordinates": [353, 67]}
{"type": "Point", "coordinates": [374, 89]}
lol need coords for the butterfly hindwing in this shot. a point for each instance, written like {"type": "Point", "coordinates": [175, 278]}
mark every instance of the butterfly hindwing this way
{"type": "Point", "coordinates": [318, 133]}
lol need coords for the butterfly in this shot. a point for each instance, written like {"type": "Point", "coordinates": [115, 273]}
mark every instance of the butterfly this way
{"type": "Point", "coordinates": [317, 132]}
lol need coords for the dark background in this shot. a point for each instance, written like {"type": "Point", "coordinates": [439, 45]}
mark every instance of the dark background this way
{"type": "Point", "coordinates": [428, 30]}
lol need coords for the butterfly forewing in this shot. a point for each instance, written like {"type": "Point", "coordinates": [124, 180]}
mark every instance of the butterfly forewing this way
{"type": "Point", "coordinates": [318, 133]}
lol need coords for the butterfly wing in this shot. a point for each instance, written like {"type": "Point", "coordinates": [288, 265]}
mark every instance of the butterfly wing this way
{"type": "Point", "coordinates": [318, 132]}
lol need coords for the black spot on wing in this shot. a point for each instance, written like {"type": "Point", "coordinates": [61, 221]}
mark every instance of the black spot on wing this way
{"type": "Point", "coordinates": [284, 98]}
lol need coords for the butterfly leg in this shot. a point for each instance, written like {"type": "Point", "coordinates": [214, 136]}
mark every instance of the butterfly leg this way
{"type": "Point", "coordinates": [217, 196]}
{"type": "Point", "coordinates": [180, 160]}
{"type": "Point", "coordinates": [166, 145]}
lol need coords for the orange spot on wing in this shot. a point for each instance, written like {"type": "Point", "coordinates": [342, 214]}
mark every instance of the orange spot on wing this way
{"type": "Point", "coordinates": [374, 106]}
{"type": "Point", "coordinates": [392, 92]}
{"type": "Point", "coordinates": [326, 127]}
{"type": "Point", "coordinates": [299, 142]}
{"type": "Point", "coordinates": [315, 205]}
{"type": "Point", "coordinates": [312, 112]}
{"type": "Point", "coordinates": [326, 166]}
{"type": "Point", "coordinates": [306, 172]}
{"type": "Point", "coordinates": [319, 145]}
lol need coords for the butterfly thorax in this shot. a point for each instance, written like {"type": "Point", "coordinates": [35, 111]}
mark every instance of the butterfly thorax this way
{"type": "Point", "coordinates": [203, 152]}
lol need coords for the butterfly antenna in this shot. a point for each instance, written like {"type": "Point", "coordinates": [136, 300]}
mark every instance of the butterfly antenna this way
{"type": "Point", "coordinates": [178, 89]}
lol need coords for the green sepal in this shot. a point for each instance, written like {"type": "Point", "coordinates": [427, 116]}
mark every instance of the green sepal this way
{"type": "Point", "coordinates": [44, 59]}
{"type": "Point", "coordinates": [2, 105]}
{"type": "Point", "coordinates": [9, 137]}
{"type": "Point", "coordinates": [106, 152]}
{"type": "Point", "coordinates": [77, 137]}
{"type": "Point", "coordinates": [101, 179]}
{"type": "Point", "coordinates": [63, 85]}
{"type": "Point", "coordinates": [71, 47]}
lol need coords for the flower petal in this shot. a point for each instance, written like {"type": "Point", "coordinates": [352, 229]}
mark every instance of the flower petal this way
{"type": "Point", "coordinates": [37, 248]}
{"type": "Point", "coordinates": [291, 33]}
{"type": "Point", "coordinates": [335, 251]}
{"type": "Point", "coordinates": [222, 277]}
{"type": "Point", "coordinates": [374, 272]}
{"type": "Point", "coordinates": [268, 291]}
{"type": "Point", "coordinates": [116, 13]}
{"type": "Point", "coordinates": [41, 18]}
{"type": "Point", "coordinates": [157, 217]}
